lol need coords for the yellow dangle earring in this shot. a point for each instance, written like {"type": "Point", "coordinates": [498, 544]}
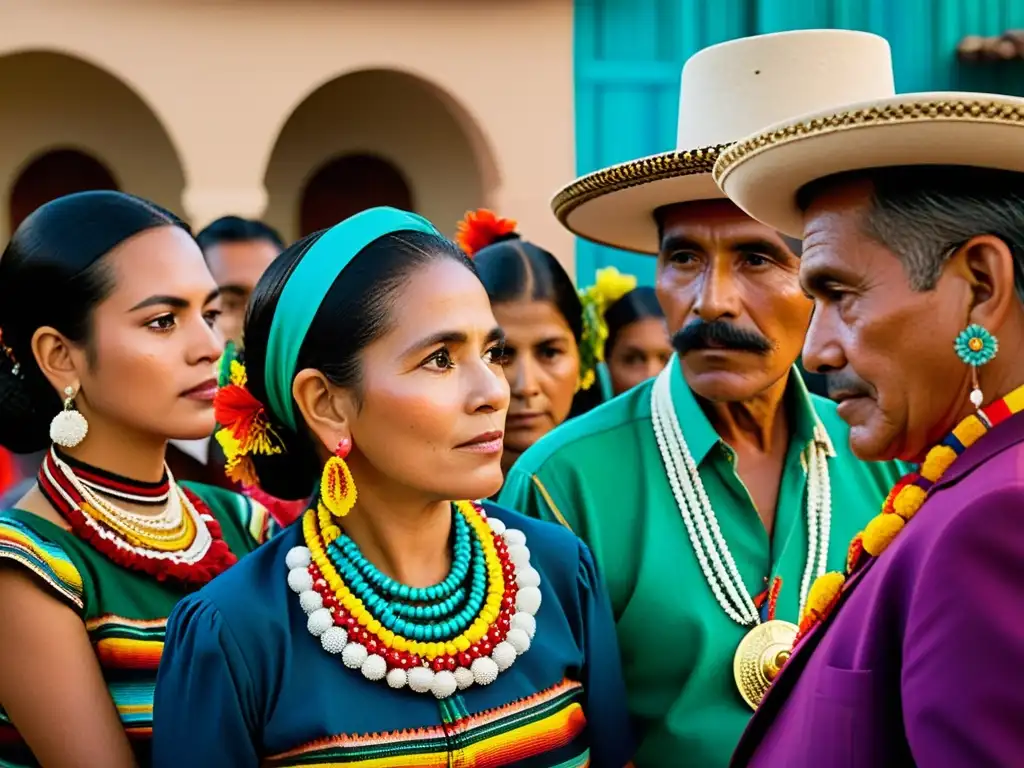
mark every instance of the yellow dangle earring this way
{"type": "Point", "coordinates": [976, 346]}
{"type": "Point", "coordinates": [337, 486]}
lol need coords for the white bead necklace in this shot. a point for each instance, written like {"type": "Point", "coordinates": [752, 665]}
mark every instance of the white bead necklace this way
{"type": "Point", "coordinates": [131, 498]}
{"type": "Point", "coordinates": [194, 553]}
{"type": "Point", "coordinates": [709, 545]}
{"type": "Point", "coordinates": [162, 525]}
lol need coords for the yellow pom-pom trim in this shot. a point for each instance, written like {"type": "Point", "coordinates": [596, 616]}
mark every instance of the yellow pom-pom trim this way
{"type": "Point", "coordinates": [938, 460]}
{"type": "Point", "coordinates": [908, 501]}
{"type": "Point", "coordinates": [969, 430]}
{"type": "Point", "coordinates": [824, 591]}
{"type": "Point", "coordinates": [880, 532]}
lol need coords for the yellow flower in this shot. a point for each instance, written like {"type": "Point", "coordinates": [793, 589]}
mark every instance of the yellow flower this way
{"type": "Point", "coordinates": [610, 285]}
{"type": "Point", "coordinates": [237, 375]}
{"type": "Point", "coordinates": [230, 446]}
{"type": "Point", "coordinates": [586, 380]}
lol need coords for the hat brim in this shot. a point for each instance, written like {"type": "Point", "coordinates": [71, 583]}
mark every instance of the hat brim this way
{"type": "Point", "coordinates": [762, 174]}
{"type": "Point", "coordinates": [615, 206]}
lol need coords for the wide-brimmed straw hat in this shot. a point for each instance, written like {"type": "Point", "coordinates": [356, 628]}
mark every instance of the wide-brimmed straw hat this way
{"type": "Point", "coordinates": [763, 172]}
{"type": "Point", "coordinates": [728, 91]}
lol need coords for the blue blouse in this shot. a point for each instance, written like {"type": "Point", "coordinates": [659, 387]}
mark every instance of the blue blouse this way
{"type": "Point", "coordinates": [243, 683]}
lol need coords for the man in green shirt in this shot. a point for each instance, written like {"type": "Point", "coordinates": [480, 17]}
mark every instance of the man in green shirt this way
{"type": "Point", "coordinates": [713, 495]}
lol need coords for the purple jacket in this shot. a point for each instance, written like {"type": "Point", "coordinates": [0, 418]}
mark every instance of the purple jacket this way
{"type": "Point", "coordinates": [923, 662]}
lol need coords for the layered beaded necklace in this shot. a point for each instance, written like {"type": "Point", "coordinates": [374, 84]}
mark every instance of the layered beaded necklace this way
{"type": "Point", "coordinates": [712, 551]}
{"type": "Point", "coordinates": [439, 639]}
{"type": "Point", "coordinates": [182, 542]}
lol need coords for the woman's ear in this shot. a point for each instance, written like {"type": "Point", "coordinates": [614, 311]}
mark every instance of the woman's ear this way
{"type": "Point", "coordinates": [324, 409]}
{"type": "Point", "coordinates": [56, 359]}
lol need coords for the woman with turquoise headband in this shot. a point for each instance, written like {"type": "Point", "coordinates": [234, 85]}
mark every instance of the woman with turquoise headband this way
{"type": "Point", "coordinates": [396, 623]}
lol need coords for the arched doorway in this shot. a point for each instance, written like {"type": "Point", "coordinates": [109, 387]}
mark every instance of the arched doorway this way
{"type": "Point", "coordinates": [383, 126]}
{"type": "Point", "coordinates": [347, 185]}
{"type": "Point", "coordinates": [57, 173]}
{"type": "Point", "coordinates": [68, 124]}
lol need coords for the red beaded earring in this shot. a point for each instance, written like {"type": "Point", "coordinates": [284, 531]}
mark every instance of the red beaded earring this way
{"type": "Point", "coordinates": [344, 448]}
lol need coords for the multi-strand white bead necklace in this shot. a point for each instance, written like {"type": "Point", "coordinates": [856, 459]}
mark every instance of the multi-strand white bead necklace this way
{"type": "Point", "coordinates": [709, 545]}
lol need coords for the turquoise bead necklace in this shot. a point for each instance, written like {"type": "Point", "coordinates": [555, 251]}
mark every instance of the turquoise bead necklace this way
{"type": "Point", "coordinates": [428, 614]}
{"type": "Point", "coordinates": [387, 585]}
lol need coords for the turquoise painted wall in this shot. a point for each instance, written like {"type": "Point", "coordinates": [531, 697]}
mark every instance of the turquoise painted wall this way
{"type": "Point", "coordinates": [629, 55]}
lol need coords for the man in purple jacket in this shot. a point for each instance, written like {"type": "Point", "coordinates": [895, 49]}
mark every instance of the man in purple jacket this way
{"type": "Point", "coordinates": [911, 209]}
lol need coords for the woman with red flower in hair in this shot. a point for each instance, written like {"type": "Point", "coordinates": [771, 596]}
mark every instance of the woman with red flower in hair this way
{"type": "Point", "coordinates": [108, 352]}
{"type": "Point", "coordinates": [552, 338]}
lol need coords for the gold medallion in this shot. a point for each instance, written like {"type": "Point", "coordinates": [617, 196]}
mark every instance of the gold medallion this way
{"type": "Point", "coordinates": [760, 657]}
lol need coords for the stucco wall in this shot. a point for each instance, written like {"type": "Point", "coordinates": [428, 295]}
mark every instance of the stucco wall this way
{"type": "Point", "coordinates": [224, 79]}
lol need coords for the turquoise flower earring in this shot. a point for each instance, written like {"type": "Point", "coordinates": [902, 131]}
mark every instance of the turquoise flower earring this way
{"type": "Point", "coordinates": [976, 346]}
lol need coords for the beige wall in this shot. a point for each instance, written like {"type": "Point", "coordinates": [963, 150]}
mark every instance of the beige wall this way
{"type": "Point", "coordinates": [224, 79]}
{"type": "Point", "coordinates": [384, 113]}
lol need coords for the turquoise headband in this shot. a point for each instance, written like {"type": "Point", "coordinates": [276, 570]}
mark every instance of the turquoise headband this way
{"type": "Point", "coordinates": [307, 286]}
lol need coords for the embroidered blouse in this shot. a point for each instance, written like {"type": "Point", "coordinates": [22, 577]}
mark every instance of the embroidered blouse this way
{"type": "Point", "coordinates": [125, 612]}
{"type": "Point", "coordinates": [244, 684]}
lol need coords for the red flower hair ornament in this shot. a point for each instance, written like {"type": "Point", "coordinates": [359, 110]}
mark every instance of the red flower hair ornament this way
{"type": "Point", "coordinates": [481, 228]}
{"type": "Point", "coordinates": [245, 429]}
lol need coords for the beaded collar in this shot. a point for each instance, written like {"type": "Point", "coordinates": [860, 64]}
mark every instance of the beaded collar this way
{"type": "Point", "coordinates": [466, 629]}
{"type": "Point", "coordinates": [182, 542]}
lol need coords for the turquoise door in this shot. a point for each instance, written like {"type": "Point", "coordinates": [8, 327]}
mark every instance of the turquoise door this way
{"type": "Point", "coordinates": [629, 55]}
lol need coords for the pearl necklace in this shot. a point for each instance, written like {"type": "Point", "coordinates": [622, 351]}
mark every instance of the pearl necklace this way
{"type": "Point", "coordinates": [167, 524]}
{"type": "Point", "coordinates": [709, 545]}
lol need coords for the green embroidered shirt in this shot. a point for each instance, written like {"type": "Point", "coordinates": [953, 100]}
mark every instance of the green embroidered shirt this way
{"type": "Point", "coordinates": [602, 475]}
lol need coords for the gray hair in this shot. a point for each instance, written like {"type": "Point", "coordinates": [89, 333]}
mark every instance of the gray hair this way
{"type": "Point", "coordinates": [923, 214]}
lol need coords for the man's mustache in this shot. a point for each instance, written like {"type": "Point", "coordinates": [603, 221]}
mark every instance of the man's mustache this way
{"type": "Point", "coordinates": [719, 335]}
{"type": "Point", "coordinates": [845, 384]}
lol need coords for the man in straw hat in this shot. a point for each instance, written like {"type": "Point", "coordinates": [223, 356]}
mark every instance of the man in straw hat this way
{"type": "Point", "coordinates": [912, 212]}
{"type": "Point", "coordinates": [713, 495]}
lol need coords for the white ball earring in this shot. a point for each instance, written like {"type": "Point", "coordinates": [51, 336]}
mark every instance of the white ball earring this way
{"type": "Point", "coordinates": [68, 427]}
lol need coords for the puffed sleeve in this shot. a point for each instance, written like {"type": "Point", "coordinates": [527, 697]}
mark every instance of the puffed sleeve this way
{"type": "Point", "coordinates": [22, 546]}
{"type": "Point", "coordinates": [964, 639]}
{"type": "Point", "coordinates": [204, 711]}
{"type": "Point", "coordinates": [611, 738]}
